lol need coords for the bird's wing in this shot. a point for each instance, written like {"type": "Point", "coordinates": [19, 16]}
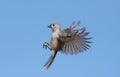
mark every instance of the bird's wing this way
{"type": "Point", "coordinates": [74, 39]}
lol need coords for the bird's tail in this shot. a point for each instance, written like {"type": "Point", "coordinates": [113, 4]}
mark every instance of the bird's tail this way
{"type": "Point", "coordinates": [50, 60]}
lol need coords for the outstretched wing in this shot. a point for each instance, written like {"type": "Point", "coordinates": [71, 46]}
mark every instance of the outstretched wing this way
{"type": "Point", "coordinates": [74, 39]}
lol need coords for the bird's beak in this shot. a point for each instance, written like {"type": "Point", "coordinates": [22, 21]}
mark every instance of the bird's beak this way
{"type": "Point", "coordinates": [49, 26]}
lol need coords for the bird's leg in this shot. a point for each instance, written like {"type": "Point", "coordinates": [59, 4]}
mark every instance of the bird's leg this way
{"type": "Point", "coordinates": [46, 45]}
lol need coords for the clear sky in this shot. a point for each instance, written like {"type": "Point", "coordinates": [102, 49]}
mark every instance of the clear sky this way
{"type": "Point", "coordinates": [23, 30]}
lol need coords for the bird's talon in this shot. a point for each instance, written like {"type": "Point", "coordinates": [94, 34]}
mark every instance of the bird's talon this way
{"type": "Point", "coordinates": [45, 45]}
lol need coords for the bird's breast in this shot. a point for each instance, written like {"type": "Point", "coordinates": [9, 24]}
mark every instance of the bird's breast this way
{"type": "Point", "coordinates": [56, 44]}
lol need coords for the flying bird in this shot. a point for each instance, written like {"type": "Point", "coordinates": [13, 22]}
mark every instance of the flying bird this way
{"type": "Point", "coordinates": [71, 40]}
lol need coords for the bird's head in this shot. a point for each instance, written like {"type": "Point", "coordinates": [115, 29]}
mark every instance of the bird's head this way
{"type": "Point", "coordinates": [54, 27]}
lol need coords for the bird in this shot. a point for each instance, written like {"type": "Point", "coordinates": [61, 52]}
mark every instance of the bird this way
{"type": "Point", "coordinates": [71, 40]}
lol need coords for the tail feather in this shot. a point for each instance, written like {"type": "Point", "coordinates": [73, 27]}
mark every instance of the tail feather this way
{"type": "Point", "coordinates": [50, 60]}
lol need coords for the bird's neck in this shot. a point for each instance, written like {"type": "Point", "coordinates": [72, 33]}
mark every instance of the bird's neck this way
{"type": "Point", "coordinates": [56, 33]}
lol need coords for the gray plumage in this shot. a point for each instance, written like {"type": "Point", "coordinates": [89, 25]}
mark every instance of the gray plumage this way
{"type": "Point", "coordinates": [70, 41]}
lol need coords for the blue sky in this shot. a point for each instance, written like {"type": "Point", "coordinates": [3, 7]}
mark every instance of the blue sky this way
{"type": "Point", "coordinates": [23, 30]}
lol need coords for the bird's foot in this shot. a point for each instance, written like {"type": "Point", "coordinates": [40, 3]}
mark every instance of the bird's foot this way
{"type": "Point", "coordinates": [46, 45]}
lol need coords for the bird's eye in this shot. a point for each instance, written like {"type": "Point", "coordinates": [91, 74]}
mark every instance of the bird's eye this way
{"type": "Point", "coordinates": [53, 24]}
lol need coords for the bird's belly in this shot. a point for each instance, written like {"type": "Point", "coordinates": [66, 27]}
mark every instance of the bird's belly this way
{"type": "Point", "coordinates": [54, 44]}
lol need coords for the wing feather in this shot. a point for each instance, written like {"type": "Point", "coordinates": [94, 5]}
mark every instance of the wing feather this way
{"type": "Point", "coordinates": [75, 40]}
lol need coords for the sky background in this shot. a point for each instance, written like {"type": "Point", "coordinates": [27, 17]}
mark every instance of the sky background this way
{"type": "Point", "coordinates": [23, 30]}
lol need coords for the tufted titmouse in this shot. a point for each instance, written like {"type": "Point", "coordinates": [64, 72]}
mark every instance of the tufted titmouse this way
{"type": "Point", "coordinates": [70, 41]}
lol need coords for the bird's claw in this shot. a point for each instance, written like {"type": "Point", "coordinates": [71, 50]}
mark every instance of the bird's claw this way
{"type": "Point", "coordinates": [45, 45]}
